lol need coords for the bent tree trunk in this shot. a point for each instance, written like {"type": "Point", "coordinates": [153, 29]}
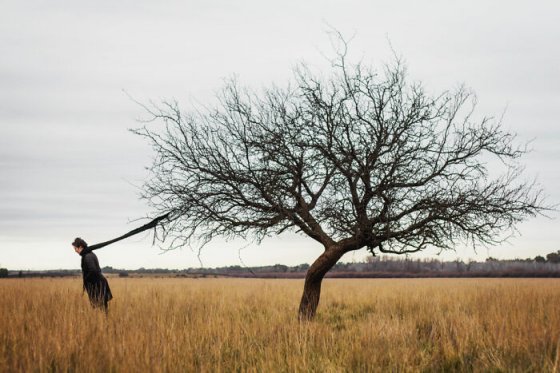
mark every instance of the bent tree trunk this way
{"type": "Point", "coordinates": [313, 280]}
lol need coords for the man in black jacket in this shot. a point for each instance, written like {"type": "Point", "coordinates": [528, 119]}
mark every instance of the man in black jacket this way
{"type": "Point", "coordinates": [95, 284]}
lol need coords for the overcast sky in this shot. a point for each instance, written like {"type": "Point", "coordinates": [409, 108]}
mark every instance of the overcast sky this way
{"type": "Point", "coordinates": [69, 166]}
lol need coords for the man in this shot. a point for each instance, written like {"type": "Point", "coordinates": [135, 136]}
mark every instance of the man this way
{"type": "Point", "coordinates": [95, 284]}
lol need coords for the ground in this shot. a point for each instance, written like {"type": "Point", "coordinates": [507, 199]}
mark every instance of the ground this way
{"type": "Point", "coordinates": [213, 325]}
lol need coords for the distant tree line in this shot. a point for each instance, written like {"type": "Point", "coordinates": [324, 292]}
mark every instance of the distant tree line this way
{"type": "Point", "coordinates": [384, 266]}
{"type": "Point", "coordinates": [550, 258]}
{"type": "Point", "coordinates": [373, 266]}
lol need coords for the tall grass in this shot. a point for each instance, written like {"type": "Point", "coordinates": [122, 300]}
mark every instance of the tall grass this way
{"type": "Point", "coordinates": [224, 325]}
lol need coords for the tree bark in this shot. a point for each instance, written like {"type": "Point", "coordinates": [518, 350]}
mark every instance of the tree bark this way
{"type": "Point", "coordinates": [314, 278]}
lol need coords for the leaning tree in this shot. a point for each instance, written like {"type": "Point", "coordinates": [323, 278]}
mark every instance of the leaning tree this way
{"type": "Point", "coordinates": [353, 159]}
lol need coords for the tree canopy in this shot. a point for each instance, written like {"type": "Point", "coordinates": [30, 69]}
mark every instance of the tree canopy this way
{"type": "Point", "coordinates": [354, 158]}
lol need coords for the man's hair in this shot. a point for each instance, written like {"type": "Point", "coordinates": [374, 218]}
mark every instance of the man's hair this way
{"type": "Point", "coordinates": [78, 242]}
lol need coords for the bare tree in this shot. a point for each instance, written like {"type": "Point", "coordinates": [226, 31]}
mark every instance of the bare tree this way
{"type": "Point", "coordinates": [356, 159]}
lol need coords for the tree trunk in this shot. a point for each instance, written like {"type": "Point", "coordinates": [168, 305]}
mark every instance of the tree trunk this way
{"type": "Point", "coordinates": [313, 280]}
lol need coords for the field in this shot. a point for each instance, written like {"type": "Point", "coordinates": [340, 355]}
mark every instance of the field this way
{"type": "Point", "coordinates": [225, 325]}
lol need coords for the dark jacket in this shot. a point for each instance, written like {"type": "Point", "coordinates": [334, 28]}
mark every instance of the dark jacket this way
{"type": "Point", "coordinates": [95, 284]}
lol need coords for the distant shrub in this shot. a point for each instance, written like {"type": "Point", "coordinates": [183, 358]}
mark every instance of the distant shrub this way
{"type": "Point", "coordinates": [540, 259]}
{"type": "Point", "coordinates": [123, 274]}
{"type": "Point", "coordinates": [3, 272]}
{"type": "Point", "coordinates": [553, 257]}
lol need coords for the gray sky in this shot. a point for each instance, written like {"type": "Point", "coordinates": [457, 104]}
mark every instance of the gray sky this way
{"type": "Point", "coordinates": [69, 167]}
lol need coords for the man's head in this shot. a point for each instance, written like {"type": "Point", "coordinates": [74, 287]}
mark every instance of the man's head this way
{"type": "Point", "coordinates": [79, 245]}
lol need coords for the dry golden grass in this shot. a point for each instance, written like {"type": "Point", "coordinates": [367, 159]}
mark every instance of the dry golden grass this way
{"type": "Point", "coordinates": [213, 325]}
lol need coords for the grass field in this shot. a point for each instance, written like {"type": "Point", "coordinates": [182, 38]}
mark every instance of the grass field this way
{"type": "Point", "coordinates": [213, 325]}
